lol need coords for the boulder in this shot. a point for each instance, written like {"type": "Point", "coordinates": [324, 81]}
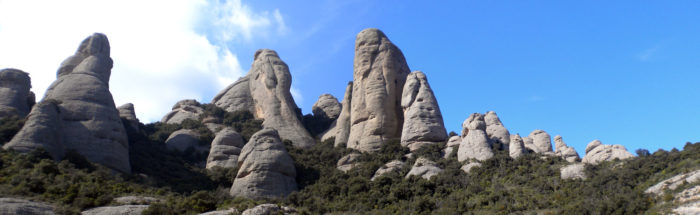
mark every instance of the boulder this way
{"type": "Point", "coordinates": [16, 99]}
{"type": "Point", "coordinates": [136, 200]}
{"type": "Point", "coordinates": [541, 141]}
{"type": "Point", "coordinates": [393, 166]}
{"type": "Point", "coordinates": [270, 209]}
{"type": "Point", "coordinates": [341, 127]}
{"type": "Point", "coordinates": [564, 151]}
{"type": "Point", "coordinates": [183, 110]}
{"type": "Point", "coordinates": [265, 168]}
{"type": "Point", "coordinates": [423, 124]}
{"type": "Point", "coordinates": [475, 144]}
{"type": "Point", "coordinates": [495, 130]}
{"type": "Point", "coordinates": [24, 207]}
{"type": "Point", "coordinates": [42, 129]}
{"type": "Point", "coordinates": [596, 152]}
{"type": "Point", "coordinates": [452, 143]}
{"type": "Point", "coordinates": [264, 91]}
{"type": "Point", "coordinates": [116, 210]}
{"type": "Point", "coordinates": [529, 145]}
{"type": "Point", "coordinates": [222, 212]}
{"type": "Point", "coordinates": [183, 139]}
{"type": "Point", "coordinates": [674, 182]}
{"type": "Point", "coordinates": [225, 149]}
{"type": "Point", "coordinates": [573, 171]}
{"type": "Point", "coordinates": [380, 71]}
{"type": "Point", "coordinates": [126, 111]}
{"type": "Point", "coordinates": [516, 148]}
{"type": "Point", "coordinates": [89, 120]}
{"type": "Point", "coordinates": [424, 168]}
{"type": "Point", "coordinates": [467, 168]}
{"type": "Point", "coordinates": [347, 162]}
{"type": "Point", "coordinates": [326, 107]}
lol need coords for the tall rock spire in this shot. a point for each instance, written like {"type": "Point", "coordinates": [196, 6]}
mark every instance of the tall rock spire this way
{"type": "Point", "coordinates": [423, 123]}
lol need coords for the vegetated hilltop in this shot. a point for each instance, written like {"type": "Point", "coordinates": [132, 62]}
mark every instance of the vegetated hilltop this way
{"type": "Point", "coordinates": [383, 149]}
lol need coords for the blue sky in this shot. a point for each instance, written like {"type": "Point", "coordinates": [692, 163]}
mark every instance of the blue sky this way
{"type": "Point", "coordinates": [623, 72]}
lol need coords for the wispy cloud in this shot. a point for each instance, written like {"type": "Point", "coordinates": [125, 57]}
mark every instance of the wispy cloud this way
{"type": "Point", "coordinates": [648, 53]}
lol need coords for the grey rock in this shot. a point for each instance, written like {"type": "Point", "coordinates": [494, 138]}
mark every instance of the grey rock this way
{"type": "Point", "coordinates": [423, 124]}
{"type": "Point", "coordinates": [222, 212]}
{"type": "Point", "coordinates": [265, 168]}
{"type": "Point", "coordinates": [270, 209]}
{"type": "Point", "coordinates": [564, 151]}
{"type": "Point", "coordinates": [393, 166]}
{"type": "Point", "coordinates": [687, 201]}
{"type": "Point", "coordinates": [516, 148]}
{"type": "Point", "coordinates": [380, 71]}
{"type": "Point", "coordinates": [541, 141]}
{"type": "Point", "coordinates": [452, 143]}
{"type": "Point", "coordinates": [467, 168]}
{"type": "Point", "coordinates": [264, 91]}
{"type": "Point", "coordinates": [117, 210]}
{"type": "Point", "coordinates": [136, 200]}
{"type": "Point", "coordinates": [126, 111]}
{"type": "Point", "coordinates": [214, 127]}
{"type": "Point", "coordinates": [573, 171]}
{"type": "Point", "coordinates": [90, 122]}
{"type": "Point", "coordinates": [597, 152]}
{"type": "Point", "coordinates": [341, 127]}
{"type": "Point", "coordinates": [42, 129]}
{"type": "Point", "coordinates": [529, 145]}
{"type": "Point", "coordinates": [424, 168]}
{"type": "Point", "coordinates": [225, 149]}
{"type": "Point", "coordinates": [495, 130]}
{"type": "Point", "coordinates": [183, 139]}
{"type": "Point", "coordinates": [348, 162]}
{"type": "Point", "coordinates": [475, 144]}
{"type": "Point", "coordinates": [326, 107]}
{"type": "Point", "coordinates": [24, 207]}
{"type": "Point", "coordinates": [674, 182]}
{"type": "Point", "coordinates": [16, 98]}
{"type": "Point", "coordinates": [183, 110]}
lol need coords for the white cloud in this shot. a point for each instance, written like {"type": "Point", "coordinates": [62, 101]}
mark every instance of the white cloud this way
{"type": "Point", "coordinates": [159, 57]}
{"type": "Point", "coordinates": [296, 93]}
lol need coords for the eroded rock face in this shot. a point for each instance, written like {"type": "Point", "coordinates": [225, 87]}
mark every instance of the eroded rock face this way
{"type": "Point", "coordinates": [225, 149]}
{"type": "Point", "coordinates": [265, 168]}
{"type": "Point", "coordinates": [269, 209]}
{"type": "Point", "coordinates": [264, 91]}
{"type": "Point", "coordinates": [452, 143]}
{"type": "Point", "coordinates": [89, 120]}
{"type": "Point", "coordinates": [16, 99]}
{"type": "Point", "coordinates": [541, 142]}
{"type": "Point", "coordinates": [674, 182]}
{"type": "Point", "coordinates": [495, 130]}
{"type": "Point", "coordinates": [222, 212]}
{"type": "Point", "coordinates": [43, 129]}
{"type": "Point", "coordinates": [380, 72]}
{"type": "Point", "coordinates": [597, 152]}
{"type": "Point", "coordinates": [126, 111]}
{"type": "Point", "coordinates": [116, 210]}
{"type": "Point", "coordinates": [24, 207]}
{"type": "Point", "coordinates": [564, 151]}
{"type": "Point", "coordinates": [393, 166]}
{"type": "Point", "coordinates": [423, 124]}
{"type": "Point", "coordinates": [573, 171]}
{"type": "Point", "coordinates": [475, 144]}
{"type": "Point", "coordinates": [183, 110]}
{"type": "Point", "coordinates": [347, 162]}
{"type": "Point", "coordinates": [516, 148]}
{"type": "Point", "coordinates": [424, 168]}
{"type": "Point", "coordinates": [341, 127]}
{"type": "Point", "coordinates": [326, 107]}
{"type": "Point", "coordinates": [688, 201]}
{"type": "Point", "coordinates": [183, 139]}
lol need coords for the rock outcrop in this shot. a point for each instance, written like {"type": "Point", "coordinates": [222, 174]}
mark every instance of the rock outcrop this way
{"type": "Point", "coordinates": [222, 212]}
{"type": "Point", "coordinates": [340, 129]}
{"type": "Point", "coordinates": [541, 142]}
{"type": "Point", "coordinates": [564, 151]}
{"type": "Point", "coordinates": [467, 168]}
{"type": "Point", "coordinates": [183, 110]}
{"type": "Point", "coordinates": [116, 210]}
{"type": "Point", "coordinates": [183, 139]}
{"type": "Point", "coordinates": [452, 143]}
{"type": "Point", "coordinates": [24, 207]}
{"type": "Point", "coordinates": [497, 133]}
{"type": "Point", "coordinates": [393, 166]}
{"type": "Point", "coordinates": [573, 171]}
{"type": "Point", "coordinates": [326, 107]}
{"type": "Point", "coordinates": [475, 144]}
{"type": "Point", "coordinates": [516, 148]}
{"type": "Point", "coordinates": [43, 129]}
{"type": "Point", "coordinates": [380, 71]}
{"type": "Point", "coordinates": [16, 99]}
{"type": "Point", "coordinates": [225, 149]}
{"type": "Point", "coordinates": [89, 121]}
{"type": "Point", "coordinates": [265, 168]}
{"type": "Point", "coordinates": [264, 91]}
{"type": "Point", "coordinates": [597, 152]}
{"type": "Point", "coordinates": [423, 123]}
{"type": "Point", "coordinates": [424, 168]}
{"type": "Point", "coordinates": [688, 201]}
{"type": "Point", "coordinates": [674, 182]}
{"type": "Point", "coordinates": [136, 200]}
{"type": "Point", "coordinates": [269, 209]}
{"type": "Point", "coordinates": [347, 162]}
{"type": "Point", "coordinates": [127, 112]}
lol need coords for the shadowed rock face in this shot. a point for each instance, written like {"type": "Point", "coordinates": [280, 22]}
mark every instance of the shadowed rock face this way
{"type": "Point", "coordinates": [423, 123]}
{"type": "Point", "coordinates": [380, 72]}
{"type": "Point", "coordinates": [225, 149]}
{"type": "Point", "coordinates": [89, 120]}
{"type": "Point", "coordinates": [15, 97]}
{"type": "Point", "coordinates": [266, 169]}
{"type": "Point", "coordinates": [43, 129]}
{"type": "Point", "coordinates": [126, 111]}
{"type": "Point", "coordinates": [24, 207]}
{"type": "Point", "coordinates": [183, 110]}
{"type": "Point", "coordinates": [326, 107]}
{"type": "Point", "coordinates": [264, 91]}
{"type": "Point", "coordinates": [342, 125]}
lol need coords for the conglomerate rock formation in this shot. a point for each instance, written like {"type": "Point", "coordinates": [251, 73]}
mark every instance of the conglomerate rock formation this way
{"type": "Point", "coordinates": [423, 123]}
{"type": "Point", "coordinates": [16, 99]}
{"type": "Point", "coordinates": [597, 152]}
{"type": "Point", "coordinates": [225, 149]}
{"type": "Point", "coordinates": [80, 111]}
{"type": "Point", "coordinates": [475, 144]}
